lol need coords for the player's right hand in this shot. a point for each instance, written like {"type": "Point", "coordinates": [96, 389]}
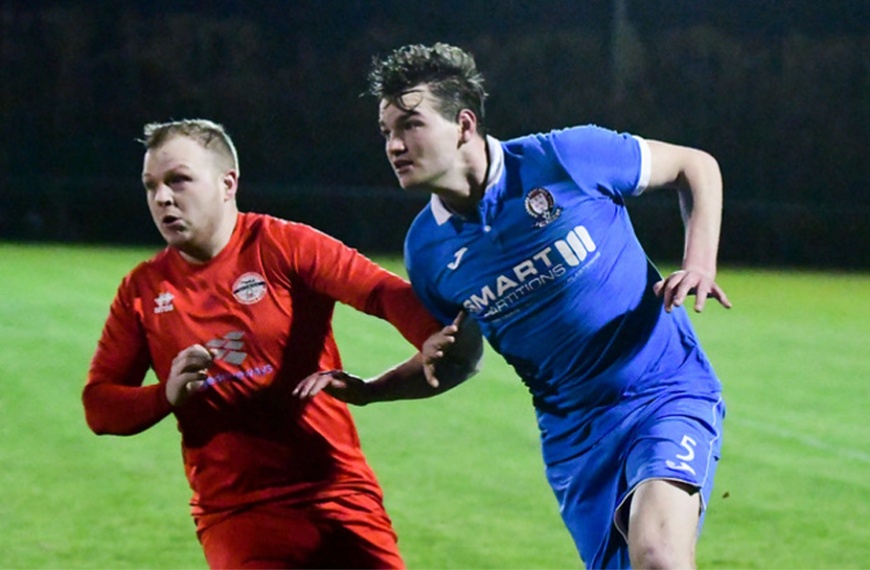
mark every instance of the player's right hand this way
{"type": "Point", "coordinates": [188, 373]}
{"type": "Point", "coordinates": [436, 346]}
{"type": "Point", "coordinates": [676, 287]}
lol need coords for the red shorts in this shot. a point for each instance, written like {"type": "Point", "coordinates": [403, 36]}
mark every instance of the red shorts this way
{"type": "Point", "coordinates": [351, 531]}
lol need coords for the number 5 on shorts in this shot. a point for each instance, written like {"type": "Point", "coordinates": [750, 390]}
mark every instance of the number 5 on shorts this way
{"type": "Point", "coordinates": [689, 444]}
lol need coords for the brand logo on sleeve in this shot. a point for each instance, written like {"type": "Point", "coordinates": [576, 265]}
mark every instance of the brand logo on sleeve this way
{"type": "Point", "coordinates": [249, 288]}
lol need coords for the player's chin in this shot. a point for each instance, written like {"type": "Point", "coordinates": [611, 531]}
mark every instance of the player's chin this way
{"type": "Point", "coordinates": [177, 240]}
{"type": "Point", "coordinates": [410, 184]}
{"type": "Point", "coordinates": [406, 181]}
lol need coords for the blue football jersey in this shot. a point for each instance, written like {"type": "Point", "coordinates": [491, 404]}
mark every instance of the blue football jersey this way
{"type": "Point", "coordinates": [550, 267]}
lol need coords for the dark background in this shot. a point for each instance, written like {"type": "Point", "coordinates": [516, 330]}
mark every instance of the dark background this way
{"type": "Point", "coordinates": [778, 91]}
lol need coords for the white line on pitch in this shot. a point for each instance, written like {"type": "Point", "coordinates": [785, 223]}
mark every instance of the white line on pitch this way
{"type": "Point", "coordinates": [804, 439]}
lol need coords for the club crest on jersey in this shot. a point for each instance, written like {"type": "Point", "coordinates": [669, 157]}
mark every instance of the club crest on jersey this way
{"type": "Point", "coordinates": [541, 206]}
{"type": "Point", "coordinates": [249, 288]}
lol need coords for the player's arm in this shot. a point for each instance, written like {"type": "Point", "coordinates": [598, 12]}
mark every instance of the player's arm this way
{"type": "Point", "coordinates": [448, 358]}
{"type": "Point", "coordinates": [696, 176]}
{"type": "Point", "coordinates": [115, 401]}
{"type": "Point", "coordinates": [330, 267]}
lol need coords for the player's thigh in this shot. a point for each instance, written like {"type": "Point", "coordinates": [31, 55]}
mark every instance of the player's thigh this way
{"type": "Point", "coordinates": [266, 536]}
{"type": "Point", "coordinates": [664, 515]}
{"type": "Point", "coordinates": [361, 535]}
{"type": "Point", "coordinates": [587, 488]}
{"type": "Point", "coordinates": [680, 443]}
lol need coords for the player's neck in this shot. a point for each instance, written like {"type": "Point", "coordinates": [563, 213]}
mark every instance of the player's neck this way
{"type": "Point", "coordinates": [219, 240]}
{"type": "Point", "coordinates": [463, 196]}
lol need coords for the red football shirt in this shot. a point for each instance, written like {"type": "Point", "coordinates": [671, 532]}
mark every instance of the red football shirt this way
{"type": "Point", "coordinates": [266, 304]}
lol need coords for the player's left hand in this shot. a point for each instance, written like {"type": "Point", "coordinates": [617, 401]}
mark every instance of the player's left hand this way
{"type": "Point", "coordinates": [678, 285]}
{"type": "Point", "coordinates": [337, 383]}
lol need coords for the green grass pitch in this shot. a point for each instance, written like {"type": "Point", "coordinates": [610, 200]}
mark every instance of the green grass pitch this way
{"type": "Point", "coordinates": [462, 473]}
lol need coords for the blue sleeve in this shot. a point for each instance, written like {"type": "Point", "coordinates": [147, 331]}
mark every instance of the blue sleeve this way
{"type": "Point", "coordinates": [599, 158]}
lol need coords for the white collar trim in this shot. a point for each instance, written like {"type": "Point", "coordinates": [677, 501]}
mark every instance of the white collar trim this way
{"type": "Point", "coordinates": [494, 173]}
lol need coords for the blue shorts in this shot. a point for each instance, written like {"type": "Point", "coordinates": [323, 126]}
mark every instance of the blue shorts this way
{"type": "Point", "coordinates": [678, 440]}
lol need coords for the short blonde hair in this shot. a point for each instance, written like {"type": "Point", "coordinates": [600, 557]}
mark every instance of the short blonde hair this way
{"type": "Point", "coordinates": [210, 135]}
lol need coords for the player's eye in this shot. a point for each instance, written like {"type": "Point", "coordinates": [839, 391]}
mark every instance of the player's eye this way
{"type": "Point", "coordinates": [178, 179]}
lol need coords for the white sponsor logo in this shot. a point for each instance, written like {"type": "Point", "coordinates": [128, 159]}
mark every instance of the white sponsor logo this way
{"type": "Point", "coordinates": [529, 275]}
{"type": "Point", "coordinates": [229, 348]}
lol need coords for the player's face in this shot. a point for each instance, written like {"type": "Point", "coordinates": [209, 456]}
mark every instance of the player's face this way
{"type": "Point", "coordinates": [422, 146]}
{"type": "Point", "coordinates": [187, 195]}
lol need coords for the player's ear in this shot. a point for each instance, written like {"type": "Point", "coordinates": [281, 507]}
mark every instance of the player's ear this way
{"type": "Point", "coordinates": [467, 121]}
{"type": "Point", "coordinates": [230, 182]}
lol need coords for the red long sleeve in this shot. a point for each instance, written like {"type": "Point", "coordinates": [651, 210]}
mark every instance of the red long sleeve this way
{"type": "Point", "coordinates": [114, 399]}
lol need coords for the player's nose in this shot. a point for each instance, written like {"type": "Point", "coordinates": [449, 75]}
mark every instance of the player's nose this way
{"type": "Point", "coordinates": [163, 195]}
{"type": "Point", "coordinates": [395, 145]}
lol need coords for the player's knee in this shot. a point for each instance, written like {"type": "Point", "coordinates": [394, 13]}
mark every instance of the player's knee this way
{"type": "Point", "coordinates": [655, 555]}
